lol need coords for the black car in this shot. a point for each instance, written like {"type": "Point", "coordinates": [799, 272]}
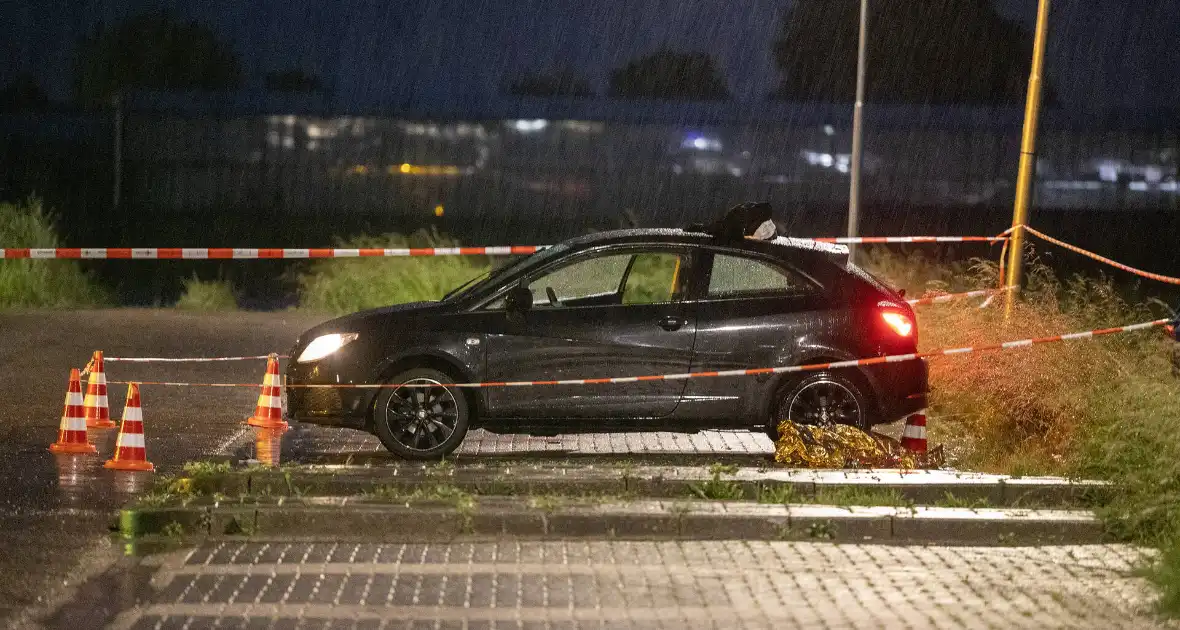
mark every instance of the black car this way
{"type": "Point", "coordinates": [619, 304]}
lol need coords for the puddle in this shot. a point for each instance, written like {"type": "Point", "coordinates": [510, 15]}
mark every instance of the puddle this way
{"type": "Point", "coordinates": [83, 483]}
{"type": "Point", "coordinates": [268, 447]}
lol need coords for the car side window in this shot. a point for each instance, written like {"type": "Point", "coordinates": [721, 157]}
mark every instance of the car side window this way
{"type": "Point", "coordinates": [739, 276]}
{"type": "Point", "coordinates": [655, 278]}
{"type": "Point", "coordinates": [595, 277]}
{"type": "Point", "coordinates": [609, 279]}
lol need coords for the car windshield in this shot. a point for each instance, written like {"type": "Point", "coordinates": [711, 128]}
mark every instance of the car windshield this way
{"type": "Point", "coordinates": [522, 262]}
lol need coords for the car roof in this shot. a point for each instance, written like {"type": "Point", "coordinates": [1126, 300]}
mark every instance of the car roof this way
{"type": "Point", "coordinates": [778, 246]}
{"type": "Point", "coordinates": [810, 254]}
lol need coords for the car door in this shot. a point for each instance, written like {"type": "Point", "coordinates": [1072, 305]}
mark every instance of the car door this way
{"type": "Point", "coordinates": [752, 312]}
{"type": "Point", "coordinates": [616, 311]}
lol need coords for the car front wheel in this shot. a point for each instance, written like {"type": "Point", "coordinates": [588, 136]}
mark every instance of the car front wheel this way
{"type": "Point", "coordinates": [822, 399]}
{"type": "Point", "coordinates": [421, 418]}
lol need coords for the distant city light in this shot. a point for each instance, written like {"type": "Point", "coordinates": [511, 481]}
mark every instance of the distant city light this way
{"type": "Point", "coordinates": [438, 210]}
{"type": "Point", "coordinates": [829, 130]}
{"type": "Point", "coordinates": [582, 126]}
{"type": "Point", "coordinates": [700, 143]}
{"type": "Point", "coordinates": [529, 126]}
{"type": "Point", "coordinates": [431, 169]}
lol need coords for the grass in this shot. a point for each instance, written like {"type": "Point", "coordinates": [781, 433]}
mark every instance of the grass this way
{"type": "Point", "coordinates": [41, 283]}
{"type": "Point", "coordinates": [949, 500]}
{"type": "Point", "coordinates": [848, 496]}
{"type": "Point", "coordinates": [716, 488]}
{"type": "Point", "coordinates": [348, 285]}
{"type": "Point", "coordinates": [1028, 411]}
{"type": "Point", "coordinates": [207, 295]}
{"type": "Point", "coordinates": [781, 494]}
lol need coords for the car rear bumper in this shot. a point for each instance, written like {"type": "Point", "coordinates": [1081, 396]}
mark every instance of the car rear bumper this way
{"type": "Point", "coordinates": [901, 389]}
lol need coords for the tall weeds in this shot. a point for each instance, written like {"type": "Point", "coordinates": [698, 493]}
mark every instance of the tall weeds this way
{"type": "Point", "coordinates": [347, 285]}
{"type": "Point", "coordinates": [1028, 410]}
{"type": "Point", "coordinates": [40, 283]}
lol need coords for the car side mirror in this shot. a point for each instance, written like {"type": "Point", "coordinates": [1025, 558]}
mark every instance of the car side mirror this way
{"type": "Point", "coordinates": [518, 300]}
{"type": "Point", "coordinates": [901, 292]}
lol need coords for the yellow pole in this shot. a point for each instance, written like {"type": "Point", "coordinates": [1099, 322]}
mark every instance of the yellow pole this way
{"type": "Point", "coordinates": [1028, 156]}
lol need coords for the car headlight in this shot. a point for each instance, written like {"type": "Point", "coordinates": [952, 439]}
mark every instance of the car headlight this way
{"type": "Point", "coordinates": [324, 345]}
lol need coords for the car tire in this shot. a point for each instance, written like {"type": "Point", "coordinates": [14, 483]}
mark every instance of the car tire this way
{"type": "Point", "coordinates": [822, 398]}
{"type": "Point", "coordinates": [421, 423]}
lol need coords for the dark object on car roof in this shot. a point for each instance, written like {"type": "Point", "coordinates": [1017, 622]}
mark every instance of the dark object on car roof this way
{"type": "Point", "coordinates": [751, 219]}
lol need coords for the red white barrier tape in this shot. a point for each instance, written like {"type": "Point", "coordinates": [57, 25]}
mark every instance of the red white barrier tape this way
{"type": "Point", "coordinates": [261, 357]}
{"type": "Point", "coordinates": [220, 253]}
{"type": "Point", "coordinates": [959, 296]}
{"type": "Point", "coordinates": [1103, 259]}
{"type": "Point", "coordinates": [247, 253]}
{"type": "Point", "coordinates": [869, 240]}
{"type": "Point", "coordinates": [896, 358]}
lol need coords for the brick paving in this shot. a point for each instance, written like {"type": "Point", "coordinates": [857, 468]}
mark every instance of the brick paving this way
{"type": "Point", "coordinates": [306, 442]}
{"type": "Point", "coordinates": [619, 584]}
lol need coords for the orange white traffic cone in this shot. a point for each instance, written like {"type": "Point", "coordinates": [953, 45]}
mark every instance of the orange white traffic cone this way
{"type": "Point", "coordinates": [130, 448]}
{"type": "Point", "coordinates": [268, 414]}
{"type": "Point", "coordinates": [98, 414]}
{"type": "Point", "coordinates": [71, 437]}
{"type": "Point", "coordinates": [913, 437]}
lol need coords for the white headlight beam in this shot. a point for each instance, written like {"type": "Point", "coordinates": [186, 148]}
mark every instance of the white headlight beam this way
{"type": "Point", "coordinates": [325, 345]}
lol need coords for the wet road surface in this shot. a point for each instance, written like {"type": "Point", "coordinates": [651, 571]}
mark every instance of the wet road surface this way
{"type": "Point", "coordinates": [628, 584]}
{"type": "Point", "coordinates": [54, 510]}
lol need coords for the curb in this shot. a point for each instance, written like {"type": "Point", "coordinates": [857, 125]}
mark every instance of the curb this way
{"type": "Point", "coordinates": [336, 518]}
{"type": "Point", "coordinates": [919, 487]}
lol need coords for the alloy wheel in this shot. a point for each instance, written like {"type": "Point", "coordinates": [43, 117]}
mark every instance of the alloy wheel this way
{"type": "Point", "coordinates": [825, 403]}
{"type": "Point", "coordinates": [421, 417]}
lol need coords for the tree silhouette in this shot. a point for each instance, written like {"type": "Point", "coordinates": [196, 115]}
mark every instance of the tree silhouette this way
{"type": "Point", "coordinates": [23, 93]}
{"type": "Point", "coordinates": [294, 80]}
{"type": "Point", "coordinates": [559, 83]}
{"type": "Point", "coordinates": [152, 52]}
{"type": "Point", "coordinates": [667, 74]}
{"type": "Point", "coordinates": [950, 51]}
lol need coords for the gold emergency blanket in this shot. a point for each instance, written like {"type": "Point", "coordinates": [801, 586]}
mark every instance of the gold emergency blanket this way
{"type": "Point", "coordinates": [843, 446]}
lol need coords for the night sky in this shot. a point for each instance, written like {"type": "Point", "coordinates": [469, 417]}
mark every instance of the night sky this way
{"type": "Point", "coordinates": [1102, 53]}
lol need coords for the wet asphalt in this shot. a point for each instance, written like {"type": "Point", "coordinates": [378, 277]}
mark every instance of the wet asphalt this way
{"type": "Point", "coordinates": [55, 510]}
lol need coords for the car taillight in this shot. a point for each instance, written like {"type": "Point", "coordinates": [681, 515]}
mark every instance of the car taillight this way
{"type": "Point", "coordinates": [899, 323]}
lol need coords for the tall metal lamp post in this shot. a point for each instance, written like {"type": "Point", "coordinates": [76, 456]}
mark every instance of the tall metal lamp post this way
{"type": "Point", "coordinates": [857, 131]}
{"type": "Point", "coordinates": [1028, 157]}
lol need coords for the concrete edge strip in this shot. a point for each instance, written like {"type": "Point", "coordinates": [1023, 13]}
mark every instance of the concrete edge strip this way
{"type": "Point", "coordinates": [996, 492]}
{"type": "Point", "coordinates": [684, 520]}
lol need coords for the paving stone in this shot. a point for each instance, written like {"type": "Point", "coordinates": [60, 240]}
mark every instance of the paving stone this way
{"type": "Point", "coordinates": [306, 442]}
{"type": "Point", "coordinates": [677, 584]}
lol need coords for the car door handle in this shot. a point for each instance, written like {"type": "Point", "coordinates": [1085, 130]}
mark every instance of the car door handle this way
{"type": "Point", "coordinates": [671, 322]}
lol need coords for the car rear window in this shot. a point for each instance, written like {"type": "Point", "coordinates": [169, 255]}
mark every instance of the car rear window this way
{"type": "Point", "coordinates": [740, 276]}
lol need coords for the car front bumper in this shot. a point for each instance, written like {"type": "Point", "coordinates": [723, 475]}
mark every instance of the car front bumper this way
{"type": "Point", "coordinates": [328, 406]}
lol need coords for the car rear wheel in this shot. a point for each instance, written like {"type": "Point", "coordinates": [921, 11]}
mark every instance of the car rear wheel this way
{"type": "Point", "coordinates": [822, 399]}
{"type": "Point", "coordinates": [421, 418]}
